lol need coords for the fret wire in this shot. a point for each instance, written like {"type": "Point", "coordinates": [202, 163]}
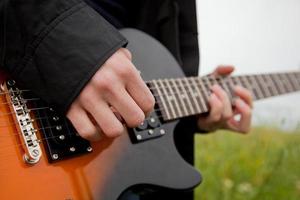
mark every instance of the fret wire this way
{"type": "Point", "coordinates": [261, 85]}
{"type": "Point", "coordinates": [256, 87]}
{"type": "Point", "coordinates": [277, 84]}
{"type": "Point", "coordinates": [297, 78]}
{"type": "Point", "coordinates": [281, 78]}
{"type": "Point", "coordinates": [177, 108]}
{"type": "Point", "coordinates": [202, 101]}
{"type": "Point", "coordinates": [202, 85]}
{"type": "Point", "coordinates": [253, 89]}
{"type": "Point", "coordinates": [239, 81]}
{"type": "Point", "coordinates": [271, 84]}
{"type": "Point", "coordinates": [167, 115]}
{"type": "Point", "coordinates": [294, 80]}
{"type": "Point", "coordinates": [248, 84]}
{"type": "Point", "coordinates": [185, 112]}
{"type": "Point", "coordinates": [280, 84]}
{"type": "Point", "coordinates": [169, 101]}
{"type": "Point", "coordinates": [226, 88]}
{"type": "Point", "coordinates": [194, 101]}
{"type": "Point", "coordinates": [287, 83]}
{"type": "Point", "coordinates": [185, 97]}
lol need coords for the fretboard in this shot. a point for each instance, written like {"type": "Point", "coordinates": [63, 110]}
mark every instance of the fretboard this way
{"type": "Point", "coordinates": [181, 97]}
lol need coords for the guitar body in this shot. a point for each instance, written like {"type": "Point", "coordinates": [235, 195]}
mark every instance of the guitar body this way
{"type": "Point", "coordinates": [114, 165]}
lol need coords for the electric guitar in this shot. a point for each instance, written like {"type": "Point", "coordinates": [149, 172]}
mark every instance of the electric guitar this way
{"type": "Point", "coordinates": [42, 156]}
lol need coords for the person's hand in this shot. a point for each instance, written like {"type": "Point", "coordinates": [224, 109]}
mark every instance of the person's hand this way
{"type": "Point", "coordinates": [222, 114]}
{"type": "Point", "coordinates": [116, 90]}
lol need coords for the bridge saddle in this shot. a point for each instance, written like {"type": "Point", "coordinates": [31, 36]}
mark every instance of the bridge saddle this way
{"type": "Point", "coordinates": [21, 114]}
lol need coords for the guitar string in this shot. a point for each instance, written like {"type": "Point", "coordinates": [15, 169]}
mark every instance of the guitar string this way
{"type": "Point", "coordinates": [180, 93]}
{"type": "Point", "coordinates": [39, 140]}
{"type": "Point", "coordinates": [48, 107]}
{"type": "Point", "coordinates": [212, 78]}
{"type": "Point", "coordinates": [161, 108]}
{"type": "Point", "coordinates": [204, 82]}
{"type": "Point", "coordinates": [157, 101]}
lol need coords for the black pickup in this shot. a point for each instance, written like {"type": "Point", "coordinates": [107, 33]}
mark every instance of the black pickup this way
{"type": "Point", "coordinates": [60, 138]}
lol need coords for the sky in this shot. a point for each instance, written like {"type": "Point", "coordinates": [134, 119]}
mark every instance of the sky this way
{"type": "Point", "coordinates": [255, 36]}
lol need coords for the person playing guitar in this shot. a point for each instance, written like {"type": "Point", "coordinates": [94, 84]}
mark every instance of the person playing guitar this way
{"type": "Point", "coordinates": [73, 50]}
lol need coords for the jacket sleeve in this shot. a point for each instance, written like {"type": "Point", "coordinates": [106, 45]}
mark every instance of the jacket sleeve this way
{"type": "Point", "coordinates": [54, 47]}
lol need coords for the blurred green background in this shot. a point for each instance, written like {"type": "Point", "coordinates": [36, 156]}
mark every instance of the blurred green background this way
{"type": "Point", "coordinates": [261, 165]}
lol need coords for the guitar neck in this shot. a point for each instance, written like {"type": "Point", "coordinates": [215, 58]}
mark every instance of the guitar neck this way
{"type": "Point", "coordinates": [182, 97]}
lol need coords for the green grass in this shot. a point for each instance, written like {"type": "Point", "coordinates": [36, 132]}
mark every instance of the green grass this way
{"type": "Point", "coordinates": [264, 165]}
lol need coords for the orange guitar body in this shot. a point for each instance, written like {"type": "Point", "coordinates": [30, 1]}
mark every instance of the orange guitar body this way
{"type": "Point", "coordinates": [76, 178]}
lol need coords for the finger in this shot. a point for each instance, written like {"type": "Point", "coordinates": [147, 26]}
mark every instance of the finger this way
{"type": "Point", "coordinates": [210, 122]}
{"type": "Point", "coordinates": [83, 124]}
{"type": "Point", "coordinates": [127, 53]}
{"type": "Point", "coordinates": [223, 70]}
{"type": "Point", "coordinates": [221, 94]}
{"type": "Point", "coordinates": [141, 94]}
{"type": "Point", "coordinates": [127, 108]}
{"type": "Point", "coordinates": [243, 125]}
{"type": "Point", "coordinates": [216, 107]}
{"type": "Point", "coordinates": [105, 118]}
{"type": "Point", "coordinates": [244, 94]}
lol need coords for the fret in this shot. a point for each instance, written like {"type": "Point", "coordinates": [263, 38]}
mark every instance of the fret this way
{"type": "Point", "coordinates": [165, 110]}
{"type": "Point", "coordinates": [186, 97]}
{"type": "Point", "coordinates": [207, 85]}
{"type": "Point", "coordinates": [204, 89]}
{"type": "Point", "coordinates": [281, 83]}
{"type": "Point", "coordinates": [194, 95]}
{"type": "Point", "coordinates": [244, 82]}
{"type": "Point", "coordinates": [172, 91]}
{"type": "Point", "coordinates": [256, 88]}
{"type": "Point", "coordinates": [224, 83]}
{"type": "Point", "coordinates": [269, 84]}
{"type": "Point", "coordinates": [295, 82]}
{"type": "Point", "coordinates": [169, 98]}
{"type": "Point", "coordinates": [278, 83]}
{"type": "Point", "coordinates": [247, 84]}
{"type": "Point", "coordinates": [261, 84]}
{"type": "Point", "coordinates": [297, 78]}
{"type": "Point", "coordinates": [183, 107]}
{"type": "Point", "coordinates": [286, 81]}
{"type": "Point", "coordinates": [239, 81]}
{"type": "Point", "coordinates": [200, 95]}
{"type": "Point", "coordinates": [252, 88]}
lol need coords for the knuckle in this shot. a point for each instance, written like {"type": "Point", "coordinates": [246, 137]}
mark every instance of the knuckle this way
{"type": "Point", "coordinates": [88, 133]}
{"type": "Point", "coordinates": [127, 53]}
{"type": "Point", "coordinates": [104, 83]}
{"type": "Point", "coordinates": [149, 104]}
{"type": "Point", "coordinates": [136, 119]}
{"type": "Point", "coordinates": [114, 131]}
{"type": "Point", "coordinates": [86, 98]}
{"type": "Point", "coordinates": [125, 71]}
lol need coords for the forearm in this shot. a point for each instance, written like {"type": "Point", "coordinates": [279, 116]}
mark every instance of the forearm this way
{"type": "Point", "coordinates": [54, 47]}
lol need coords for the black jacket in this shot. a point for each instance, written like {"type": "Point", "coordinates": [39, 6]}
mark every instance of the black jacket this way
{"type": "Point", "coordinates": [54, 47]}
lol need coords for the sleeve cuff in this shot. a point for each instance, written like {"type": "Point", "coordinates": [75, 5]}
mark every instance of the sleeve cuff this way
{"type": "Point", "coordinates": [66, 56]}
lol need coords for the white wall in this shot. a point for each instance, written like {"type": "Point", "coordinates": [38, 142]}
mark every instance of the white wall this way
{"type": "Point", "coordinates": [256, 36]}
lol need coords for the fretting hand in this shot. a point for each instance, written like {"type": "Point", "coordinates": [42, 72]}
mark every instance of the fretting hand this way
{"type": "Point", "coordinates": [222, 114]}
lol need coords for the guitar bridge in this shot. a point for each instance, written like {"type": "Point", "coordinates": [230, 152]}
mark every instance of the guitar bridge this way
{"type": "Point", "coordinates": [21, 114]}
